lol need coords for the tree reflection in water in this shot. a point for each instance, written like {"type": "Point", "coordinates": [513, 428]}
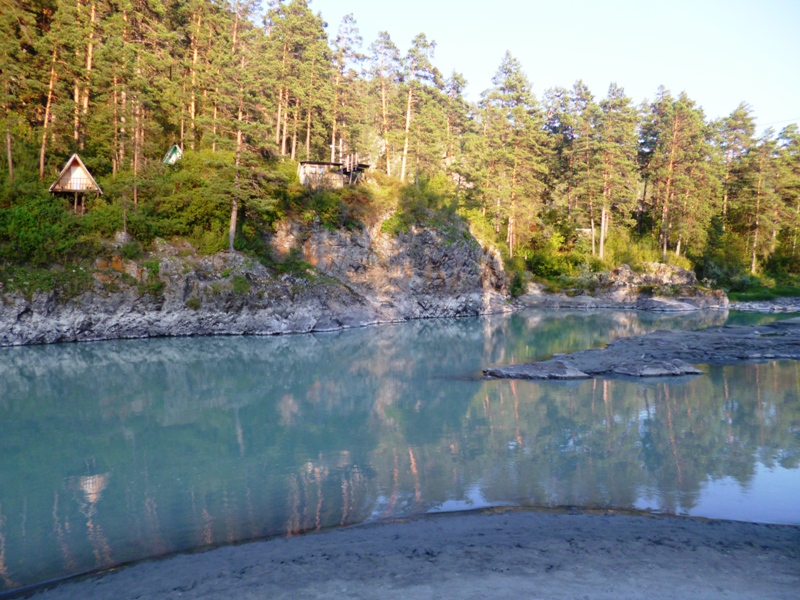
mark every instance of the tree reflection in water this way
{"type": "Point", "coordinates": [118, 451]}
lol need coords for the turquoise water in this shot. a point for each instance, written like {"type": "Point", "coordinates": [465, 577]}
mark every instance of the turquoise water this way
{"type": "Point", "coordinates": [117, 451]}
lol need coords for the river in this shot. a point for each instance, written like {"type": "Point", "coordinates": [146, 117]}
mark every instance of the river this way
{"type": "Point", "coordinates": [117, 451]}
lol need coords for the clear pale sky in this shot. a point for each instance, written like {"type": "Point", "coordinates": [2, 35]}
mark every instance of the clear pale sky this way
{"type": "Point", "coordinates": [720, 52]}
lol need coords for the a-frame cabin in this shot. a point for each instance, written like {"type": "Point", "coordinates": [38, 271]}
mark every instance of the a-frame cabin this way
{"type": "Point", "coordinates": [173, 155]}
{"type": "Point", "coordinates": [75, 179]}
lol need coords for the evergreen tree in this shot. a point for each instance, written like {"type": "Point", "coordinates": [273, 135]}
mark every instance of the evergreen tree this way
{"type": "Point", "coordinates": [616, 140]}
{"type": "Point", "coordinates": [418, 71]}
{"type": "Point", "coordinates": [516, 151]}
{"type": "Point", "coordinates": [385, 68]}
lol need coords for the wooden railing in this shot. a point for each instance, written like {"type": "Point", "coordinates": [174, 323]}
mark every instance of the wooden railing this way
{"type": "Point", "coordinates": [75, 184]}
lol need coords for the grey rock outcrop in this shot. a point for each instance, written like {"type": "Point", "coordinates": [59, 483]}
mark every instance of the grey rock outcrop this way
{"type": "Point", "coordinates": [359, 278]}
{"type": "Point", "coordinates": [777, 305]}
{"type": "Point", "coordinates": [668, 353]}
{"type": "Point", "coordinates": [659, 287]}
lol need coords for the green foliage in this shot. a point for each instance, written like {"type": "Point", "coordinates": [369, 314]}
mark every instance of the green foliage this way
{"type": "Point", "coordinates": [193, 303]}
{"type": "Point", "coordinates": [131, 250]}
{"type": "Point", "coordinates": [660, 184]}
{"type": "Point", "coordinates": [67, 282]}
{"type": "Point", "coordinates": [625, 249]}
{"type": "Point", "coordinates": [240, 284]}
{"type": "Point", "coordinates": [397, 224]}
{"type": "Point", "coordinates": [427, 203]}
{"type": "Point", "coordinates": [517, 286]}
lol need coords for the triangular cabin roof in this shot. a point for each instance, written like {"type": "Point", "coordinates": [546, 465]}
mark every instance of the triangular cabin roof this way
{"type": "Point", "coordinates": [75, 177]}
{"type": "Point", "coordinates": [173, 155]}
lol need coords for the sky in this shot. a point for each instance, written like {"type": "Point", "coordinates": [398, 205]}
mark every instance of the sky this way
{"type": "Point", "coordinates": [720, 52]}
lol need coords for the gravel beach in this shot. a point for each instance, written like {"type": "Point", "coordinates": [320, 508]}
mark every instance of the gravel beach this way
{"type": "Point", "coordinates": [497, 554]}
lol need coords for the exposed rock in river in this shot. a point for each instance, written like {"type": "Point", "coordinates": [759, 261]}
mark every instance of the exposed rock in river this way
{"type": "Point", "coordinates": [359, 277]}
{"type": "Point", "coordinates": [667, 353]}
{"type": "Point", "coordinates": [659, 288]}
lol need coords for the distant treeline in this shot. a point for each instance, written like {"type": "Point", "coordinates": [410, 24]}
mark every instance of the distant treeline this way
{"type": "Point", "coordinates": [565, 182]}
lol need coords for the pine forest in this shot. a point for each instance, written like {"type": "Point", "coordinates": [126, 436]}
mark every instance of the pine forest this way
{"type": "Point", "coordinates": [569, 183]}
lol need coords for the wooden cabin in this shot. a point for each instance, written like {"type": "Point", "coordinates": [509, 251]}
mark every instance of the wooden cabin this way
{"type": "Point", "coordinates": [331, 175]}
{"type": "Point", "coordinates": [173, 155]}
{"type": "Point", "coordinates": [75, 179]}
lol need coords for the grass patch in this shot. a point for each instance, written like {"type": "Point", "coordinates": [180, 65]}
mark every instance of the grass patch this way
{"type": "Point", "coordinates": [764, 294]}
{"type": "Point", "coordinates": [68, 282]}
{"type": "Point", "coordinates": [240, 284]}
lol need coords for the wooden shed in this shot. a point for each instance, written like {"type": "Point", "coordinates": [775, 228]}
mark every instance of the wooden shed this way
{"type": "Point", "coordinates": [318, 174]}
{"type": "Point", "coordinates": [315, 174]}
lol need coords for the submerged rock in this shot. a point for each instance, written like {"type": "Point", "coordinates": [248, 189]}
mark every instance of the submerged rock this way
{"type": "Point", "coordinates": [552, 369]}
{"type": "Point", "coordinates": [671, 353]}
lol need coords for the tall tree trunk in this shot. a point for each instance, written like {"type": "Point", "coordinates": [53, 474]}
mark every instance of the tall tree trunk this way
{"type": "Point", "coordinates": [122, 129]}
{"type": "Point", "coordinates": [48, 106]}
{"type": "Point", "coordinates": [284, 135]}
{"type": "Point", "coordinates": [510, 237]}
{"type": "Point", "coordinates": [310, 109]}
{"type": "Point", "coordinates": [294, 130]}
{"type": "Point", "coordinates": [88, 74]}
{"type": "Point", "coordinates": [237, 162]}
{"type": "Point", "coordinates": [335, 115]}
{"type": "Point", "coordinates": [9, 148]}
{"type": "Point", "coordinates": [592, 224]}
{"type": "Point", "coordinates": [308, 135]}
{"type": "Point", "coordinates": [280, 96]}
{"type": "Point", "coordinates": [757, 216]}
{"type": "Point", "coordinates": [115, 123]}
{"type": "Point", "coordinates": [193, 100]}
{"type": "Point", "coordinates": [137, 147]}
{"type": "Point", "coordinates": [409, 104]}
{"type": "Point", "coordinates": [728, 160]}
{"type": "Point", "coordinates": [214, 121]}
{"type": "Point", "coordinates": [183, 114]}
{"type": "Point", "coordinates": [665, 208]}
{"type": "Point", "coordinates": [385, 125]}
{"type": "Point", "coordinates": [76, 116]}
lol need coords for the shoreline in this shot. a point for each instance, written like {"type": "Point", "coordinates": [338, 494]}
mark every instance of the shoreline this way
{"type": "Point", "coordinates": [334, 325]}
{"type": "Point", "coordinates": [490, 553]}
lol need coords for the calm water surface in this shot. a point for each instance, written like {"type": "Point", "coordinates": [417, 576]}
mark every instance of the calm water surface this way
{"type": "Point", "coordinates": [116, 451]}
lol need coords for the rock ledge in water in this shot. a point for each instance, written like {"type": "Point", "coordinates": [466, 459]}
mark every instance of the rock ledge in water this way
{"type": "Point", "coordinates": [667, 353]}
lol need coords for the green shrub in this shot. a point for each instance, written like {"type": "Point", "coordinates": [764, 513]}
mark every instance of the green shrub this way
{"type": "Point", "coordinates": [396, 224]}
{"type": "Point", "coordinates": [240, 284]}
{"type": "Point", "coordinates": [193, 303]}
{"type": "Point", "coordinates": [131, 250]}
{"type": "Point", "coordinates": [517, 286]}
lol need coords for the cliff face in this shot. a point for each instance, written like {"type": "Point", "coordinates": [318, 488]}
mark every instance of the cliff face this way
{"type": "Point", "coordinates": [358, 278]}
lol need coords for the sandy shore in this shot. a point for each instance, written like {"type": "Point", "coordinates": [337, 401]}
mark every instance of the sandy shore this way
{"type": "Point", "coordinates": [489, 554]}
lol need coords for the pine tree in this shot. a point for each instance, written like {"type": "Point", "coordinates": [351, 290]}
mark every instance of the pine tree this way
{"type": "Point", "coordinates": [616, 133]}
{"type": "Point", "coordinates": [418, 71]}
{"type": "Point", "coordinates": [385, 68]}
{"type": "Point", "coordinates": [516, 150]}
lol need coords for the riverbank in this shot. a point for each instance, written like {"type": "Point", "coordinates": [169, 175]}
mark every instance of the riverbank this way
{"type": "Point", "coordinates": [320, 280]}
{"type": "Point", "coordinates": [667, 353]}
{"type": "Point", "coordinates": [495, 554]}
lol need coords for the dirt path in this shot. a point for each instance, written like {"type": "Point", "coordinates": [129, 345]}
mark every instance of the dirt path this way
{"type": "Point", "coordinates": [500, 554]}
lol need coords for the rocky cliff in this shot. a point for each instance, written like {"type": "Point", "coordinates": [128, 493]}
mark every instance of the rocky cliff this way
{"type": "Point", "coordinates": [322, 280]}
